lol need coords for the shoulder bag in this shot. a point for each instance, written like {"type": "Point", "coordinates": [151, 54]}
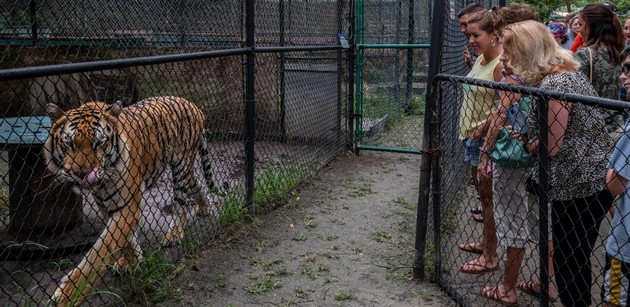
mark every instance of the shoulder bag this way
{"type": "Point", "coordinates": [511, 152]}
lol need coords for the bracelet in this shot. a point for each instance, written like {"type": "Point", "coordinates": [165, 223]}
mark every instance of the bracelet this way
{"type": "Point", "coordinates": [486, 151]}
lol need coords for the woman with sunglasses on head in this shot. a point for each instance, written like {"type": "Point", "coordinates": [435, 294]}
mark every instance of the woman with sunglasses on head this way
{"type": "Point", "coordinates": [510, 170]}
{"type": "Point", "coordinates": [578, 148]}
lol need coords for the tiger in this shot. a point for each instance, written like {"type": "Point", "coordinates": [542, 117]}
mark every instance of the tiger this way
{"type": "Point", "coordinates": [115, 154]}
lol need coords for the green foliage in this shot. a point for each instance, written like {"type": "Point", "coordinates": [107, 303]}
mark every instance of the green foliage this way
{"type": "Point", "coordinates": [234, 209]}
{"type": "Point", "coordinates": [264, 286]}
{"type": "Point", "coordinates": [151, 280]}
{"type": "Point", "coordinates": [274, 182]}
{"type": "Point", "coordinates": [544, 7]}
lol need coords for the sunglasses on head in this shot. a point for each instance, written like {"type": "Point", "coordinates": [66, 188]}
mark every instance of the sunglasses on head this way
{"type": "Point", "coordinates": [625, 69]}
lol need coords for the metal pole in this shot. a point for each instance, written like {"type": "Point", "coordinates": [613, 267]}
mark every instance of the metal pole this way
{"type": "Point", "coordinates": [351, 75]}
{"type": "Point", "coordinates": [437, 28]}
{"type": "Point", "coordinates": [33, 13]}
{"type": "Point", "coordinates": [181, 10]}
{"type": "Point", "coordinates": [358, 109]}
{"type": "Point", "coordinates": [410, 40]}
{"type": "Point", "coordinates": [339, 70]}
{"type": "Point", "coordinates": [543, 201]}
{"type": "Point", "coordinates": [283, 128]}
{"type": "Point", "coordinates": [397, 62]}
{"type": "Point", "coordinates": [250, 103]}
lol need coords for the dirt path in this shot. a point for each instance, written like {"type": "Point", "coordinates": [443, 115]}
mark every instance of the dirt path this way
{"type": "Point", "coordinates": [344, 239]}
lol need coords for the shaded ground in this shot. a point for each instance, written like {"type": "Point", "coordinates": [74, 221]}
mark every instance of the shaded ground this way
{"type": "Point", "coordinates": [345, 239]}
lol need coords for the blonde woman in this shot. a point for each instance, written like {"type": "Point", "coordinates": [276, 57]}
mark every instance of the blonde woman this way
{"type": "Point", "coordinates": [578, 153]}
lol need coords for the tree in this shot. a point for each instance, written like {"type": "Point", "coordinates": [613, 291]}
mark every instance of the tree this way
{"type": "Point", "coordinates": [546, 7]}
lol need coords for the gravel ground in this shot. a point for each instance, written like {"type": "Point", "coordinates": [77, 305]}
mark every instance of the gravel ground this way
{"type": "Point", "coordinates": [344, 239]}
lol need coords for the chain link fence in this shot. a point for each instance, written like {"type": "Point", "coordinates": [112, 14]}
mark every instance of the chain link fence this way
{"type": "Point", "coordinates": [518, 213]}
{"type": "Point", "coordinates": [76, 247]}
{"type": "Point", "coordinates": [392, 63]}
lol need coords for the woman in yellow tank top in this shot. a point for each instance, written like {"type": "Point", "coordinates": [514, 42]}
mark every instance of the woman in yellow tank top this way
{"type": "Point", "coordinates": [476, 108]}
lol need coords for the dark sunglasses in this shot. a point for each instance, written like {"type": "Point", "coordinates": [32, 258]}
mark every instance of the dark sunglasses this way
{"type": "Point", "coordinates": [625, 69]}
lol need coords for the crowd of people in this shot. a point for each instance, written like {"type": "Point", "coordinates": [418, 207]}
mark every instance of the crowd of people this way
{"type": "Point", "coordinates": [588, 147]}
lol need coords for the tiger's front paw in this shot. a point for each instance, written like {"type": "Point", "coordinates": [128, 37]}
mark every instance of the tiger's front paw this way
{"type": "Point", "coordinates": [128, 259]}
{"type": "Point", "coordinates": [203, 208]}
{"type": "Point", "coordinates": [67, 293]}
{"type": "Point", "coordinates": [173, 237]}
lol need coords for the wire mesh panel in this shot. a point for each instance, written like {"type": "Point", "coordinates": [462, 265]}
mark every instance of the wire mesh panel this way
{"type": "Point", "coordinates": [393, 73]}
{"type": "Point", "coordinates": [95, 196]}
{"type": "Point", "coordinates": [393, 97]}
{"type": "Point", "coordinates": [518, 222]}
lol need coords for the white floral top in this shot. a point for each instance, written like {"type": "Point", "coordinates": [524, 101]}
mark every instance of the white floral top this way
{"type": "Point", "coordinates": [579, 167]}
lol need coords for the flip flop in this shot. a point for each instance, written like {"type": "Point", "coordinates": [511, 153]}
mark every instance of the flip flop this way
{"type": "Point", "coordinates": [471, 248]}
{"type": "Point", "coordinates": [477, 268]}
{"type": "Point", "coordinates": [492, 292]}
{"type": "Point", "coordinates": [530, 287]}
{"type": "Point", "coordinates": [476, 210]}
{"type": "Point", "coordinates": [477, 218]}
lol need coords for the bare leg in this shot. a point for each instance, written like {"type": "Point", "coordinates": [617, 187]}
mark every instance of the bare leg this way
{"type": "Point", "coordinates": [489, 236]}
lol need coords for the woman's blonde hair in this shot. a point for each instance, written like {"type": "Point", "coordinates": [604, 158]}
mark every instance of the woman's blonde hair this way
{"type": "Point", "coordinates": [533, 53]}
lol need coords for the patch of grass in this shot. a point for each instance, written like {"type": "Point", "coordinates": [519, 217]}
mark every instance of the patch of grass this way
{"type": "Point", "coordinates": [308, 271]}
{"type": "Point", "coordinates": [274, 182]}
{"type": "Point", "coordinates": [381, 237]}
{"type": "Point", "coordinates": [330, 255]}
{"type": "Point", "coordinates": [282, 272]}
{"type": "Point", "coordinates": [264, 286]}
{"type": "Point", "coordinates": [300, 293]}
{"type": "Point", "coordinates": [357, 250]}
{"type": "Point", "coordinates": [267, 265]}
{"type": "Point", "coordinates": [263, 245]}
{"type": "Point", "coordinates": [311, 224]}
{"type": "Point", "coordinates": [329, 237]}
{"type": "Point", "coordinates": [365, 189]}
{"type": "Point", "coordinates": [337, 221]}
{"type": "Point", "coordinates": [403, 203]}
{"type": "Point", "coordinates": [299, 237]}
{"type": "Point", "coordinates": [190, 243]}
{"type": "Point", "coordinates": [234, 209]}
{"type": "Point", "coordinates": [323, 268]}
{"type": "Point", "coordinates": [151, 280]}
{"type": "Point", "coordinates": [343, 296]}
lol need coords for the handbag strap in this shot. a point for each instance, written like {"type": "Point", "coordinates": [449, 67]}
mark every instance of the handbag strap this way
{"type": "Point", "coordinates": [590, 62]}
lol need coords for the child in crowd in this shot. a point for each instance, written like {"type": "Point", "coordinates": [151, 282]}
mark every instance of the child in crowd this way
{"type": "Point", "coordinates": [617, 268]}
{"type": "Point", "coordinates": [559, 32]}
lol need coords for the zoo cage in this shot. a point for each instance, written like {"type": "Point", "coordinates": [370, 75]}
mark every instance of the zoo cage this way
{"type": "Point", "coordinates": [268, 75]}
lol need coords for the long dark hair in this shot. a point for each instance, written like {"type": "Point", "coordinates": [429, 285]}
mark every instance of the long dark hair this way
{"type": "Point", "coordinates": [604, 29]}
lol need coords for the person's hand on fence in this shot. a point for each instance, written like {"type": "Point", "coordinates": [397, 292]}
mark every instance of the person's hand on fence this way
{"type": "Point", "coordinates": [467, 57]}
{"type": "Point", "coordinates": [483, 167]}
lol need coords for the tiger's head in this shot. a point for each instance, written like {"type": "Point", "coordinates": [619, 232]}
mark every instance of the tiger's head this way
{"type": "Point", "coordinates": [83, 143]}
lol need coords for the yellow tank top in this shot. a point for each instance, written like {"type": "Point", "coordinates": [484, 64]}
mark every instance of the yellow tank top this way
{"type": "Point", "coordinates": [478, 101]}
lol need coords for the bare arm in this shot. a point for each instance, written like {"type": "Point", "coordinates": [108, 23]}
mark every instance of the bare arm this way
{"type": "Point", "coordinates": [615, 182]}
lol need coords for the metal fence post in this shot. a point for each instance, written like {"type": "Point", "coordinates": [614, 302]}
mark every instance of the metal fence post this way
{"type": "Point", "coordinates": [250, 103]}
{"type": "Point", "coordinates": [543, 200]}
{"type": "Point", "coordinates": [425, 162]}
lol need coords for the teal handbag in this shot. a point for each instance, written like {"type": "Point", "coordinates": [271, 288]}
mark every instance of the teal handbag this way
{"type": "Point", "coordinates": [511, 152]}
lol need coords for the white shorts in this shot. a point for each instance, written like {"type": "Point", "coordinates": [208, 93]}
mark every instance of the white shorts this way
{"type": "Point", "coordinates": [511, 205]}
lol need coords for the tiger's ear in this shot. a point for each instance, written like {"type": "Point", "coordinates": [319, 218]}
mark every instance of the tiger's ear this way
{"type": "Point", "coordinates": [53, 111]}
{"type": "Point", "coordinates": [116, 108]}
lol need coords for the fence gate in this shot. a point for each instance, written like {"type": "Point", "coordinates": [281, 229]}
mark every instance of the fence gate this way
{"type": "Point", "coordinates": [391, 69]}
